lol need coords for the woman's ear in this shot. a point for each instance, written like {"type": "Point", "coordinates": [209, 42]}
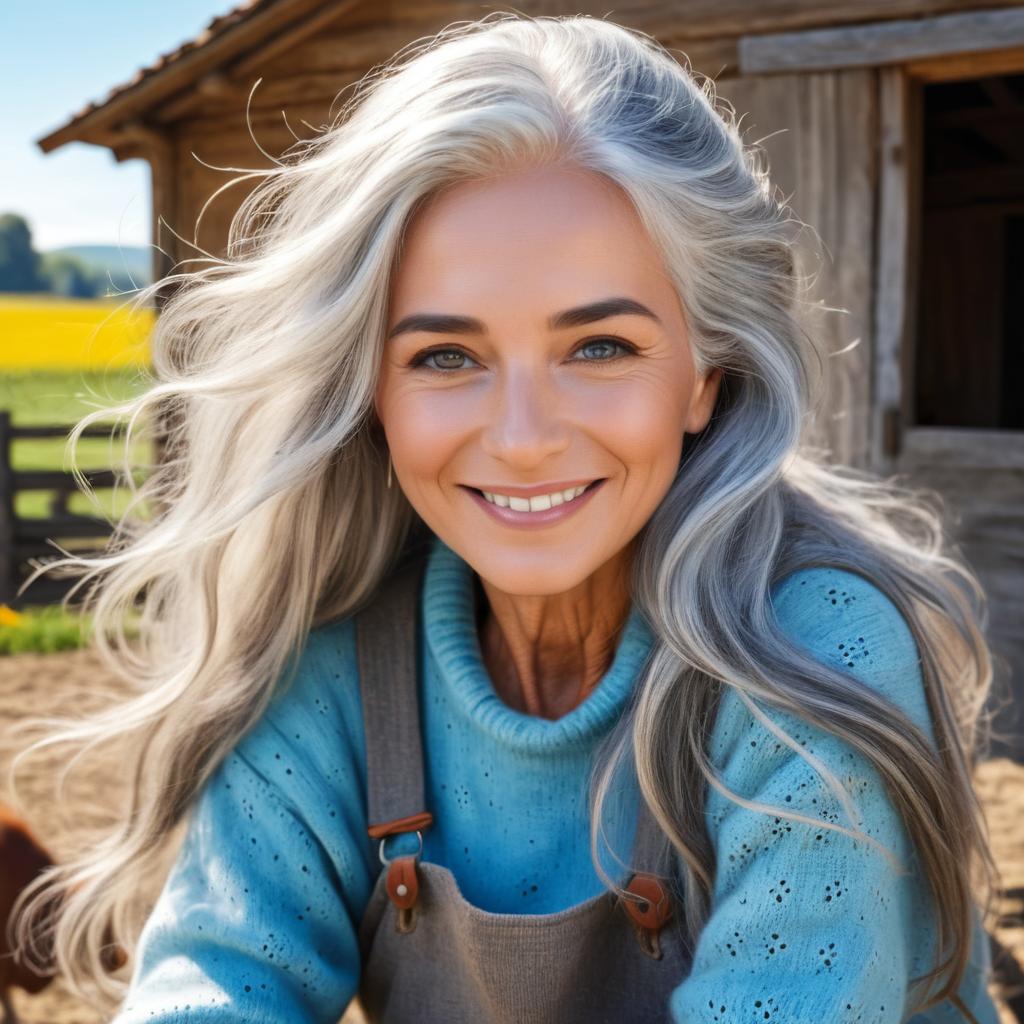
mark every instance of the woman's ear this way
{"type": "Point", "coordinates": [702, 401]}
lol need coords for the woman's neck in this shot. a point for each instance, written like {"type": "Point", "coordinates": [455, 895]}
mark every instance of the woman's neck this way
{"type": "Point", "coordinates": [546, 654]}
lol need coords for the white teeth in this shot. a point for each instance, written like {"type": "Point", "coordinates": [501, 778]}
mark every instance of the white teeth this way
{"type": "Point", "coordinates": [538, 503]}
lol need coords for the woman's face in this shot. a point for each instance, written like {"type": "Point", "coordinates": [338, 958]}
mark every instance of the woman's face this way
{"type": "Point", "coordinates": [495, 386]}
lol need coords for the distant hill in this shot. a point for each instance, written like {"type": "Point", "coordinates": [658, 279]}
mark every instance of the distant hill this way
{"type": "Point", "coordinates": [118, 259]}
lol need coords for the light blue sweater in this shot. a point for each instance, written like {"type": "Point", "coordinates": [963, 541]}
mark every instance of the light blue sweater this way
{"type": "Point", "coordinates": [258, 919]}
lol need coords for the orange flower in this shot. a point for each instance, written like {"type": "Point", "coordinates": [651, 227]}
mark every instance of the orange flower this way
{"type": "Point", "coordinates": [8, 616]}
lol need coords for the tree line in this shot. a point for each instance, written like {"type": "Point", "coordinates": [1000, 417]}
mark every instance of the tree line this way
{"type": "Point", "coordinates": [23, 269]}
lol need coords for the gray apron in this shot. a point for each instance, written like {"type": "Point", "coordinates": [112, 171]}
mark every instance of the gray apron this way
{"type": "Point", "coordinates": [428, 955]}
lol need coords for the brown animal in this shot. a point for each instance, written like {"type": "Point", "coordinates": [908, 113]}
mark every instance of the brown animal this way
{"type": "Point", "coordinates": [22, 858]}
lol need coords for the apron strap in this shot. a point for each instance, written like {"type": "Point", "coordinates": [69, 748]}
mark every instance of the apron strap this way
{"type": "Point", "coordinates": [649, 842]}
{"type": "Point", "coordinates": [386, 643]}
{"type": "Point", "coordinates": [649, 905]}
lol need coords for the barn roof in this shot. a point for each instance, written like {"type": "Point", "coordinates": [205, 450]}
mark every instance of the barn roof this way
{"type": "Point", "coordinates": [134, 115]}
{"type": "Point", "coordinates": [251, 26]}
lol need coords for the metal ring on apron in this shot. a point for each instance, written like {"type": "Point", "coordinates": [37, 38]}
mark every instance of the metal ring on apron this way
{"type": "Point", "coordinates": [403, 884]}
{"type": "Point", "coordinates": [387, 860]}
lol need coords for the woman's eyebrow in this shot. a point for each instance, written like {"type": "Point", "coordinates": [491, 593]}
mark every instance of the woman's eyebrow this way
{"type": "Point", "coordinates": [443, 323]}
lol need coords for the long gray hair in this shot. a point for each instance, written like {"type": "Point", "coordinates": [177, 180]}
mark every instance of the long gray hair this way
{"type": "Point", "coordinates": [273, 516]}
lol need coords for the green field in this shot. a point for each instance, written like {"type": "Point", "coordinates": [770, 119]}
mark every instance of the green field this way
{"type": "Point", "coordinates": [35, 397]}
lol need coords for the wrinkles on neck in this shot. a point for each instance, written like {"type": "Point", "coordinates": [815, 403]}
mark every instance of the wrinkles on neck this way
{"type": "Point", "coordinates": [545, 661]}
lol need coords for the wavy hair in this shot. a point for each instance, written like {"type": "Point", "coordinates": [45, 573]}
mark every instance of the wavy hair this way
{"type": "Point", "coordinates": [272, 516]}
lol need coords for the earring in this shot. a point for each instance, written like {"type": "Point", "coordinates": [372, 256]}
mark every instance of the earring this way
{"type": "Point", "coordinates": [389, 468]}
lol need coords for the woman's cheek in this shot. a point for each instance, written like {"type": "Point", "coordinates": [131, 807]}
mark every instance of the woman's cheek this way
{"type": "Point", "coordinates": [641, 419]}
{"type": "Point", "coordinates": [425, 426]}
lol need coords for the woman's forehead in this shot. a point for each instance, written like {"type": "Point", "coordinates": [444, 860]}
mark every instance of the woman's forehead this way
{"type": "Point", "coordinates": [557, 237]}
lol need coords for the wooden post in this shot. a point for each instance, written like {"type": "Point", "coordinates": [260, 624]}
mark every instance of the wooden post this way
{"type": "Point", "coordinates": [895, 265]}
{"type": "Point", "coordinates": [8, 577]}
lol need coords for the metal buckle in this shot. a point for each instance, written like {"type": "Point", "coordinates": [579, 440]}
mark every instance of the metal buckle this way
{"type": "Point", "coordinates": [387, 860]}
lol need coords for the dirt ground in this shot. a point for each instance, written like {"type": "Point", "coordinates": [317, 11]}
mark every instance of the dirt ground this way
{"type": "Point", "coordinates": [74, 683]}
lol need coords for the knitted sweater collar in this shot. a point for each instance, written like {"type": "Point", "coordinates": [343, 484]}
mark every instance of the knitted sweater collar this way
{"type": "Point", "coordinates": [448, 615]}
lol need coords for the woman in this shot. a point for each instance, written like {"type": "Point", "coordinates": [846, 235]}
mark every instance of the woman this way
{"type": "Point", "coordinates": [687, 725]}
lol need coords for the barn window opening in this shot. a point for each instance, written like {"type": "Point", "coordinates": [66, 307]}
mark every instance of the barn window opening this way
{"type": "Point", "coordinates": [969, 352]}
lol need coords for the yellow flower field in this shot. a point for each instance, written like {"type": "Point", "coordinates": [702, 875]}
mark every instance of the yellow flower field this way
{"type": "Point", "coordinates": [42, 332]}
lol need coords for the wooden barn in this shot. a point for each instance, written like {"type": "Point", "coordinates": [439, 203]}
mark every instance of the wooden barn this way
{"type": "Point", "coordinates": [896, 126]}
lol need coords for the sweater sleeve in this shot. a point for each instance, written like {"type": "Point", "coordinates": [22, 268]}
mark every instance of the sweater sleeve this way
{"type": "Point", "coordinates": [807, 924]}
{"type": "Point", "coordinates": [258, 919]}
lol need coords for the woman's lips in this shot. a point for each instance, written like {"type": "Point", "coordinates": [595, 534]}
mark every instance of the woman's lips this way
{"type": "Point", "coordinates": [535, 520]}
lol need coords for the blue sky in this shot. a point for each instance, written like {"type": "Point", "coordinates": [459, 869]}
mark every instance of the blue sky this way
{"type": "Point", "coordinates": [58, 56]}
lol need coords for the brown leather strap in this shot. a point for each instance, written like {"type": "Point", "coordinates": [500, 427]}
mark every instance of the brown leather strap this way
{"type": "Point", "coordinates": [402, 882]}
{"type": "Point", "coordinates": [387, 648]}
{"type": "Point", "coordinates": [409, 824]}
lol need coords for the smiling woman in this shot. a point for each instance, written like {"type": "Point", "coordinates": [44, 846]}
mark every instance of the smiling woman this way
{"type": "Point", "coordinates": [507, 650]}
{"type": "Point", "coordinates": [565, 268]}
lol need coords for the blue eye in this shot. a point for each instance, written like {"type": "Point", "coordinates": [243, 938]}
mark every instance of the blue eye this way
{"type": "Point", "coordinates": [609, 344]}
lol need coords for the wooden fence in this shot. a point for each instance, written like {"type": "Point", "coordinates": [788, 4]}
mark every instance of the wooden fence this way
{"type": "Point", "coordinates": [23, 538]}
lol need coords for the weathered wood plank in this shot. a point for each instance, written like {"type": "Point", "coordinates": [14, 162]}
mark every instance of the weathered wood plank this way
{"type": "Point", "coordinates": [892, 304]}
{"type": "Point", "coordinates": [356, 46]}
{"type": "Point", "coordinates": [889, 43]}
{"type": "Point", "coordinates": [818, 135]}
{"type": "Point", "coordinates": [709, 19]}
{"type": "Point", "coordinates": [300, 97]}
{"type": "Point", "coordinates": [716, 58]}
{"type": "Point", "coordinates": [284, 42]}
{"type": "Point", "coordinates": [983, 449]}
{"type": "Point", "coordinates": [958, 66]}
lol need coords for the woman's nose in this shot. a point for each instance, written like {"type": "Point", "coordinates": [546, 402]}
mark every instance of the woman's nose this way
{"type": "Point", "coordinates": [525, 418]}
